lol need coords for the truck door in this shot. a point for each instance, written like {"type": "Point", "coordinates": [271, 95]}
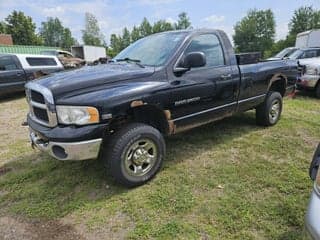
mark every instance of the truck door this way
{"type": "Point", "coordinates": [206, 93]}
{"type": "Point", "coordinates": [12, 76]}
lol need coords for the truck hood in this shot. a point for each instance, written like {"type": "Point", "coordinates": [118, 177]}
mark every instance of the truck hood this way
{"type": "Point", "coordinates": [93, 76]}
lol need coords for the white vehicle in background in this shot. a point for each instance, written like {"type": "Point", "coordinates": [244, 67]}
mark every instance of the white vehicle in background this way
{"type": "Point", "coordinates": [283, 54]}
{"type": "Point", "coordinates": [310, 75]}
{"type": "Point", "coordinates": [308, 39]}
{"type": "Point", "coordinates": [89, 53]}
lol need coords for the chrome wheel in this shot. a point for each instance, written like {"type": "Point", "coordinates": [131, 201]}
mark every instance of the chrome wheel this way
{"type": "Point", "coordinates": [140, 157]}
{"type": "Point", "coordinates": [274, 111]}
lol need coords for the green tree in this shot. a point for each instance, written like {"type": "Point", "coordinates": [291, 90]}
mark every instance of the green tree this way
{"type": "Point", "coordinates": [91, 35]}
{"type": "Point", "coordinates": [135, 34]}
{"type": "Point", "coordinates": [162, 26]}
{"type": "Point", "coordinates": [304, 19]}
{"type": "Point", "coordinates": [115, 45]}
{"type": "Point", "coordinates": [278, 46]}
{"type": "Point", "coordinates": [119, 42]}
{"type": "Point", "coordinates": [183, 21]}
{"type": "Point", "coordinates": [22, 29]}
{"type": "Point", "coordinates": [3, 27]}
{"type": "Point", "coordinates": [255, 32]}
{"type": "Point", "coordinates": [68, 40]}
{"type": "Point", "coordinates": [145, 28]}
{"type": "Point", "coordinates": [55, 35]}
{"type": "Point", "coordinates": [126, 38]}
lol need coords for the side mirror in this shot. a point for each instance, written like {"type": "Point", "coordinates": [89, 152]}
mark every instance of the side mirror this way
{"type": "Point", "coordinates": [191, 60]}
{"type": "Point", "coordinates": [314, 166]}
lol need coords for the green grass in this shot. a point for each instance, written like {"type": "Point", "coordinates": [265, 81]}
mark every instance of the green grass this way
{"type": "Point", "coordinates": [226, 180]}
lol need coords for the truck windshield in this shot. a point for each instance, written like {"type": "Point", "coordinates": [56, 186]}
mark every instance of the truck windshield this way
{"type": "Point", "coordinates": [285, 52]}
{"type": "Point", "coordinates": [296, 55]}
{"type": "Point", "coordinates": [154, 50]}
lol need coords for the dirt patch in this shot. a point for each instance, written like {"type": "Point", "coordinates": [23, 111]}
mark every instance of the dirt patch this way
{"type": "Point", "coordinates": [4, 170]}
{"type": "Point", "coordinates": [15, 229]}
{"type": "Point", "coordinates": [116, 226]}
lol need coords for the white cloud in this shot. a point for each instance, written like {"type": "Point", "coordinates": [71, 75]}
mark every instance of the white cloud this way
{"type": "Point", "coordinates": [53, 11]}
{"type": "Point", "coordinates": [155, 2]}
{"type": "Point", "coordinates": [213, 19]}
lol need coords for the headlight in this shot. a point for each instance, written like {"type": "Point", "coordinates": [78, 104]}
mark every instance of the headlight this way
{"type": "Point", "coordinates": [77, 115]}
{"type": "Point", "coordinates": [311, 71]}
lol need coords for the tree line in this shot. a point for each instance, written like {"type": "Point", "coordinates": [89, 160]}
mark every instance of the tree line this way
{"type": "Point", "coordinates": [119, 42]}
{"type": "Point", "coordinates": [51, 33]}
{"type": "Point", "coordinates": [254, 32]}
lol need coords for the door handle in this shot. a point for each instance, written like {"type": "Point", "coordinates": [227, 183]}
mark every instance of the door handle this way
{"type": "Point", "coordinates": [226, 76]}
{"type": "Point", "coordinates": [19, 74]}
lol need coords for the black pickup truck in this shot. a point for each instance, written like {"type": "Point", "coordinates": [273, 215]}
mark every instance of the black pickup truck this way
{"type": "Point", "coordinates": [159, 85]}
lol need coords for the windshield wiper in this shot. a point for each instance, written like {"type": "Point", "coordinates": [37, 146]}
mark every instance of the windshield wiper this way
{"type": "Point", "coordinates": [136, 61]}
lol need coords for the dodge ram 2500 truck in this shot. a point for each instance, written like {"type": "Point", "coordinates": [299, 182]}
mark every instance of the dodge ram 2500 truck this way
{"type": "Point", "coordinates": [160, 85]}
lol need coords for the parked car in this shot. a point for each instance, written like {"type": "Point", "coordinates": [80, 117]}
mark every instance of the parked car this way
{"type": "Point", "coordinates": [160, 85]}
{"type": "Point", "coordinates": [66, 58]}
{"type": "Point", "coordinates": [310, 75]}
{"type": "Point", "coordinates": [304, 53]}
{"type": "Point", "coordinates": [17, 69]}
{"type": "Point", "coordinates": [312, 220]}
{"type": "Point", "coordinates": [284, 53]}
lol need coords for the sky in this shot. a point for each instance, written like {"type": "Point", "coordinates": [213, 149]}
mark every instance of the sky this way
{"type": "Point", "coordinates": [114, 15]}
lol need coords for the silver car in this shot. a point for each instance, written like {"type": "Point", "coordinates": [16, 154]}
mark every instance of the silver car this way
{"type": "Point", "coordinates": [312, 220]}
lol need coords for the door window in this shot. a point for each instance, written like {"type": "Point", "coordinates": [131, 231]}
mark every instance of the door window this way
{"type": "Point", "coordinates": [310, 54]}
{"type": "Point", "coordinates": [7, 63]}
{"type": "Point", "coordinates": [210, 45]}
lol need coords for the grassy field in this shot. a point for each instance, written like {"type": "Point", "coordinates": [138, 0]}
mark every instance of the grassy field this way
{"type": "Point", "coordinates": [227, 180]}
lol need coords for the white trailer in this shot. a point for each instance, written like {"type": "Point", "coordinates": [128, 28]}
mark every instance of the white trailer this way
{"type": "Point", "coordinates": [88, 53]}
{"type": "Point", "coordinates": [308, 39]}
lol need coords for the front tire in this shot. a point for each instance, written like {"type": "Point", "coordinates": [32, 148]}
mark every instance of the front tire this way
{"type": "Point", "coordinates": [268, 113]}
{"type": "Point", "coordinates": [135, 154]}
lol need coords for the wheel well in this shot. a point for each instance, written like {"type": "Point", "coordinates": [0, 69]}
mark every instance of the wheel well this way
{"type": "Point", "coordinates": [278, 85]}
{"type": "Point", "coordinates": [150, 115]}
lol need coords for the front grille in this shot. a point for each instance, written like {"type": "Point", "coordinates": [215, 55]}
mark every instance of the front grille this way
{"type": "Point", "coordinates": [41, 104]}
{"type": "Point", "coordinates": [37, 97]}
{"type": "Point", "coordinates": [41, 114]}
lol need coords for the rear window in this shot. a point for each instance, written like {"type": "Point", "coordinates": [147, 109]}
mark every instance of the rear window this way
{"type": "Point", "coordinates": [35, 61]}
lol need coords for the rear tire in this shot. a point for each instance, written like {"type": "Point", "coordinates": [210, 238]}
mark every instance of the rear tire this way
{"type": "Point", "coordinates": [135, 154]}
{"type": "Point", "coordinates": [268, 113]}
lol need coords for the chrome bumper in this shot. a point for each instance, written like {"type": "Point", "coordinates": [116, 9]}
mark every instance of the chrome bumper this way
{"type": "Point", "coordinates": [68, 150]}
{"type": "Point", "coordinates": [312, 220]}
{"type": "Point", "coordinates": [309, 81]}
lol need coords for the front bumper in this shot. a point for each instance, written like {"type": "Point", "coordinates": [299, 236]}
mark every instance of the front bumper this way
{"type": "Point", "coordinates": [312, 220]}
{"type": "Point", "coordinates": [67, 150]}
{"type": "Point", "coordinates": [308, 81]}
{"type": "Point", "coordinates": [68, 142]}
